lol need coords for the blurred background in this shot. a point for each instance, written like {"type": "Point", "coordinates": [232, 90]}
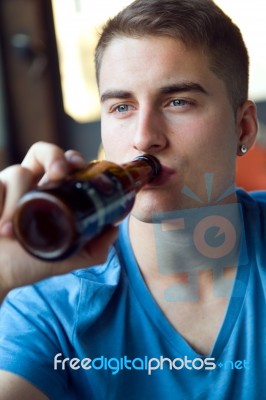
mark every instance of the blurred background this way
{"type": "Point", "coordinates": [47, 83]}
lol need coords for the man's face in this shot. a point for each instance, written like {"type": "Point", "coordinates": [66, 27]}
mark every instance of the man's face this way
{"type": "Point", "coordinates": [160, 97]}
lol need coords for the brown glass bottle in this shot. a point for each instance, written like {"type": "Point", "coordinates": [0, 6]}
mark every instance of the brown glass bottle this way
{"type": "Point", "coordinates": [53, 221]}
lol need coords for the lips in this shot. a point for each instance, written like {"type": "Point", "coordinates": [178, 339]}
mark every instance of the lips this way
{"type": "Point", "coordinates": [164, 175]}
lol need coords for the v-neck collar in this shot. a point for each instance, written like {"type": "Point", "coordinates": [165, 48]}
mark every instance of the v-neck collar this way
{"type": "Point", "coordinates": [156, 315]}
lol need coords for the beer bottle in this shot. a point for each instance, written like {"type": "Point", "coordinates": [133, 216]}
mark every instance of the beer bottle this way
{"type": "Point", "coordinates": [54, 220]}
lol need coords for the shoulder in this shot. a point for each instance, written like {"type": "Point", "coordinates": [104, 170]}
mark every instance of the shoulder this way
{"type": "Point", "coordinates": [255, 200]}
{"type": "Point", "coordinates": [259, 196]}
{"type": "Point", "coordinates": [253, 206]}
{"type": "Point", "coordinates": [41, 320]}
{"type": "Point", "coordinates": [256, 195]}
{"type": "Point", "coordinates": [253, 210]}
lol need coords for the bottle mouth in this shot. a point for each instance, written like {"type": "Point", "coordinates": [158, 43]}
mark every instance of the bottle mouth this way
{"type": "Point", "coordinates": [153, 162]}
{"type": "Point", "coordinates": [44, 226]}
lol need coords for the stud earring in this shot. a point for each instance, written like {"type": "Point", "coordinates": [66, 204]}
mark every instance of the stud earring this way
{"type": "Point", "coordinates": [243, 149]}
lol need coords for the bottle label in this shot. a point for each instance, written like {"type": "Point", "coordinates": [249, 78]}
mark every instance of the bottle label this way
{"type": "Point", "coordinates": [109, 203]}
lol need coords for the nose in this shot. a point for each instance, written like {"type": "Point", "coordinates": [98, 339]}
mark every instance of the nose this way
{"type": "Point", "coordinates": [150, 133]}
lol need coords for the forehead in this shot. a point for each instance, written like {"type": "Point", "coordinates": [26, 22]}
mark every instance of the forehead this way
{"type": "Point", "coordinates": [151, 59]}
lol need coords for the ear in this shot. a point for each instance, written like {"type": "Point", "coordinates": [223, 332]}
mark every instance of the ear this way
{"type": "Point", "coordinates": [247, 125]}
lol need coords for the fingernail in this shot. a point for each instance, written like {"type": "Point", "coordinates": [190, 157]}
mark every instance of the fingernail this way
{"type": "Point", "coordinates": [58, 168]}
{"type": "Point", "coordinates": [77, 160]}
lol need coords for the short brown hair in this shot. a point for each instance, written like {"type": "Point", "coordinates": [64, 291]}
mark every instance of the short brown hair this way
{"type": "Point", "coordinates": [197, 23]}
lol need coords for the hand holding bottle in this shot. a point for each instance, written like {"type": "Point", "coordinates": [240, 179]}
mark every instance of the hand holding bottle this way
{"type": "Point", "coordinates": [44, 162]}
{"type": "Point", "coordinates": [55, 220]}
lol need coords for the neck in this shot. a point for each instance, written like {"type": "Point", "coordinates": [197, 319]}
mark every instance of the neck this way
{"type": "Point", "coordinates": [143, 244]}
{"type": "Point", "coordinates": [170, 254]}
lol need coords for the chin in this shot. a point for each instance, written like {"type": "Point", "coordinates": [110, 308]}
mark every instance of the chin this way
{"type": "Point", "coordinates": [147, 205]}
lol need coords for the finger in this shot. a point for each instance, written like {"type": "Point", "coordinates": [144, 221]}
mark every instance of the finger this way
{"type": "Point", "coordinates": [75, 159]}
{"type": "Point", "coordinates": [46, 158]}
{"type": "Point", "coordinates": [15, 181]}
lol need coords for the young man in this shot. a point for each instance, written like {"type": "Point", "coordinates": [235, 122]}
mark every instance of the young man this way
{"type": "Point", "coordinates": [178, 308]}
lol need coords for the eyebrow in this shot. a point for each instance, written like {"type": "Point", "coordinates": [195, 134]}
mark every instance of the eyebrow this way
{"type": "Point", "coordinates": [169, 89]}
{"type": "Point", "coordinates": [115, 94]}
{"type": "Point", "coordinates": [183, 87]}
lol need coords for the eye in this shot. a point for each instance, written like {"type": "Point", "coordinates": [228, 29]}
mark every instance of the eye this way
{"type": "Point", "coordinates": [122, 108]}
{"type": "Point", "coordinates": [179, 103]}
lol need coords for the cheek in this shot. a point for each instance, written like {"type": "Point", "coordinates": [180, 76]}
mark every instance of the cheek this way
{"type": "Point", "coordinates": [112, 146]}
{"type": "Point", "coordinates": [209, 145]}
{"type": "Point", "coordinates": [116, 138]}
{"type": "Point", "coordinates": [108, 138]}
{"type": "Point", "coordinates": [217, 134]}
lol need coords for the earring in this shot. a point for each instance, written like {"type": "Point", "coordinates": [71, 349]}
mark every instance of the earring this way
{"type": "Point", "coordinates": [243, 149]}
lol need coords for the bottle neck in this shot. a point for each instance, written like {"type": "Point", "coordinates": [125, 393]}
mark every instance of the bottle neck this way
{"type": "Point", "coordinates": [142, 170]}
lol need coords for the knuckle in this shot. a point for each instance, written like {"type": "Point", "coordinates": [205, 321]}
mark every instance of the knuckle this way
{"type": "Point", "coordinates": [35, 146]}
{"type": "Point", "coordinates": [44, 148]}
{"type": "Point", "coordinates": [10, 172]}
{"type": "Point", "coordinates": [17, 171]}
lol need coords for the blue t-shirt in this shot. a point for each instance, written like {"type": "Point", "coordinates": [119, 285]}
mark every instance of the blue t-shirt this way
{"type": "Point", "coordinates": [98, 334]}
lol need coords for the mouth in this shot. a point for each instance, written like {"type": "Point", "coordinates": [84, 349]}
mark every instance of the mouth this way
{"type": "Point", "coordinates": [163, 177]}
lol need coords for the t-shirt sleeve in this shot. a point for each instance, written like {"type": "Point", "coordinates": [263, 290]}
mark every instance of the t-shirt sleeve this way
{"type": "Point", "coordinates": [30, 337]}
{"type": "Point", "coordinates": [47, 319]}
